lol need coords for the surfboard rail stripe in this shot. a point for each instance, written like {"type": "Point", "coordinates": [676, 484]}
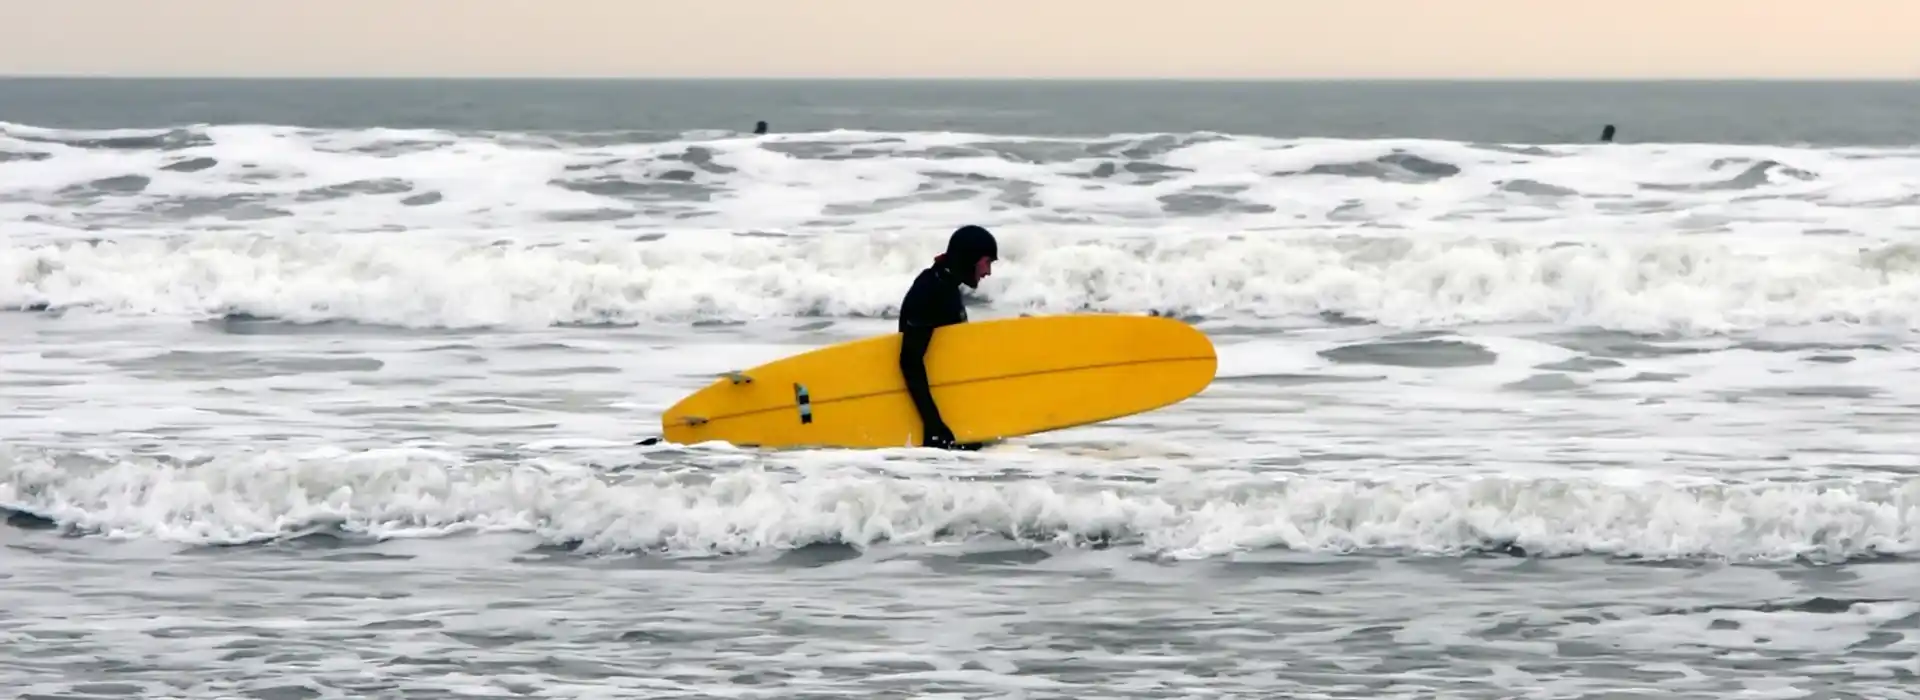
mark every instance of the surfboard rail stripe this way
{"type": "Point", "coordinates": [806, 403]}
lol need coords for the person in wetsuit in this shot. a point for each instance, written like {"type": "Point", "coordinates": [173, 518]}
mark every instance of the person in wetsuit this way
{"type": "Point", "coordinates": [934, 301]}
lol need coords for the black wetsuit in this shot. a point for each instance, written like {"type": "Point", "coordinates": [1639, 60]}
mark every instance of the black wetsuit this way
{"type": "Point", "coordinates": [933, 301]}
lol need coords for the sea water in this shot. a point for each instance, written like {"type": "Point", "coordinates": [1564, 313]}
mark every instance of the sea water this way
{"type": "Point", "coordinates": [332, 389]}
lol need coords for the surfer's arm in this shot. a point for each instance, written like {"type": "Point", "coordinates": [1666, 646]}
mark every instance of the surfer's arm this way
{"type": "Point", "coordinates": [914, 340]}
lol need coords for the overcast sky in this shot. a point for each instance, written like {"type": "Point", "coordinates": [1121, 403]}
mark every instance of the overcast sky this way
{"type": "Point", "coordinates": [966, 38]}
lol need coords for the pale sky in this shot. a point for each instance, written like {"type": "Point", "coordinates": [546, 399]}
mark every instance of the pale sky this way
{"type": "Point", "coordinates": [967, 38]}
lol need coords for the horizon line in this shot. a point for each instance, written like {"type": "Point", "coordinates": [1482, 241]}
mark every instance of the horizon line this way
{"type": "Point", "coordinates": [976, 79]}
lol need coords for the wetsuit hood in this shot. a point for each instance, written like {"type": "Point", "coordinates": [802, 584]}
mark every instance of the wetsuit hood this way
{"type": "Point", "coordinates": [967, 246]}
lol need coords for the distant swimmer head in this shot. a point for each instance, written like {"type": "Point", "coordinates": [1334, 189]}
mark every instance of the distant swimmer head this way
{"type": "Point", "coordinates": [970, 254]}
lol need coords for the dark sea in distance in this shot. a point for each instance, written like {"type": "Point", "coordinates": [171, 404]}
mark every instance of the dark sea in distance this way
{"type": "Point", "coordinates": [1773, 112]}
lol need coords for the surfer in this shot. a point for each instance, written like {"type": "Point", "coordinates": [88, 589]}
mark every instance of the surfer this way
{"type": "Point", "coordinates": [934, 301]}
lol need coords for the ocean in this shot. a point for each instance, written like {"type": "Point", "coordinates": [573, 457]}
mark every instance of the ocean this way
{"type": "Point", "coordinates": [333, 389]}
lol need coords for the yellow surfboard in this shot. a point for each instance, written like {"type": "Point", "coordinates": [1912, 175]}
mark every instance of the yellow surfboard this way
{"type": "Point", "coordinates": [992, 380]}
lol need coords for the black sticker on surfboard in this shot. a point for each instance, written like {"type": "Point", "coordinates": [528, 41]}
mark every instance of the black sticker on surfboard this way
{"type": "Point", "coordinates": [806, 404]}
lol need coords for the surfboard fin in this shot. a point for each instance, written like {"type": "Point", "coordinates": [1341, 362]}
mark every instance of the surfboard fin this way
{"type": "Point", "coordinates": [737, 378]}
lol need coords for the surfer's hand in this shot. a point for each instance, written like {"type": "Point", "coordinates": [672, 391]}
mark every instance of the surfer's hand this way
{"type": "Point", "coordinates": [937, 435]}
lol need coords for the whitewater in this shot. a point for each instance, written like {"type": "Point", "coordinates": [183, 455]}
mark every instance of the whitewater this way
{"type": "Point", "coordinates": [300, 412]}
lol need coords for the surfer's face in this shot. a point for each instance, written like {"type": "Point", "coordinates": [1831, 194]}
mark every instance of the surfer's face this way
{"type": "Point", "coordinates": [981, 268]}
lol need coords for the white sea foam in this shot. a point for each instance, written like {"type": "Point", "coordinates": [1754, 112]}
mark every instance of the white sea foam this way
{"type": "Point", "coordinates": [432, 229]}
{"type": "Point", "coordinates": [419, 492]}
{"type": "Point", "coordinates": [790, 180]}
{"type": "Point", "coordinates": [1654, 285]}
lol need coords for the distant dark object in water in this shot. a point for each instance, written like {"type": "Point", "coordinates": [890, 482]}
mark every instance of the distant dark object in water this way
{"type": "Point", "coordinates": [760, 127]}
{"type": "Point", "coordinates": [1606, 133]}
